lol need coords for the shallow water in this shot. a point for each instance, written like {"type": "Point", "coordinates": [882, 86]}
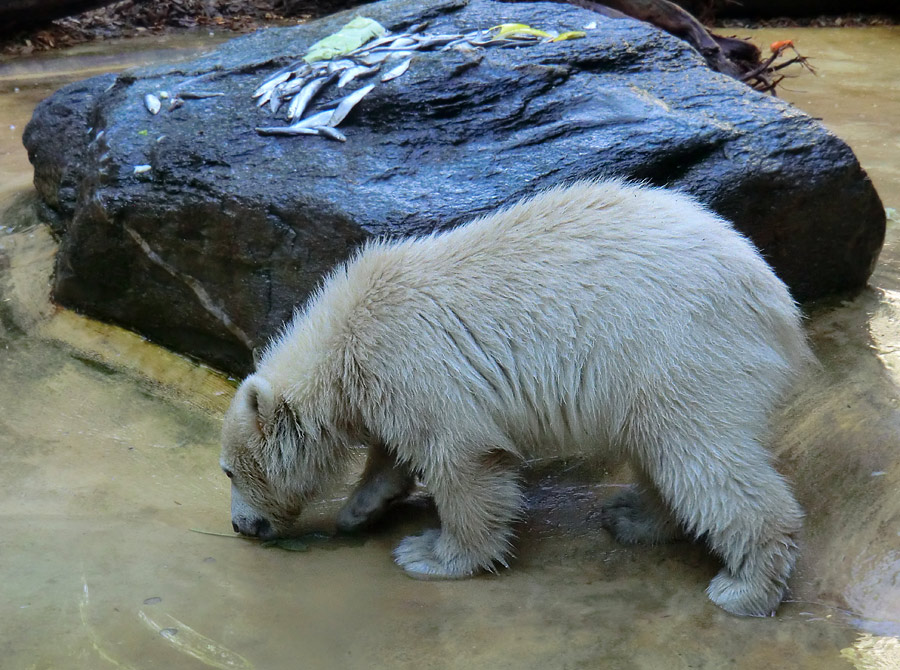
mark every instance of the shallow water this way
{"type": "Point", "coordinates": [108, 459]}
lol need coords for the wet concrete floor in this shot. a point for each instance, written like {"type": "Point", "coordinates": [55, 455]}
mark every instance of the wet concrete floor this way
{"type": "Point", "coordinates": [108, 460]}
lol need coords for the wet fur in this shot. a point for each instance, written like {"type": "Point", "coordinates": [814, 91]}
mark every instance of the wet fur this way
{"type": "Point", "coordinates": [596, 317]}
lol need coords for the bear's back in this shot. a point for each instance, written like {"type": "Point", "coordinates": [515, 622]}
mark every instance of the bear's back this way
{"type": "Point", "coordinates": [557, 314]}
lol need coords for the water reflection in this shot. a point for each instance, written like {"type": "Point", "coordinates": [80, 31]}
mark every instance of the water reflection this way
{"type": "Point", "coordinates": [873, 652]}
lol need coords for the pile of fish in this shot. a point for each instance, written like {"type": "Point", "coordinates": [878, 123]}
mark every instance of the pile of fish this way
{"type": "Point", "coordinates": [296, 86]}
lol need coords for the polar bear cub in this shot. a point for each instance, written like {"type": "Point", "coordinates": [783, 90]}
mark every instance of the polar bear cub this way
{"type": "Point", "coordinates": [600, 317]}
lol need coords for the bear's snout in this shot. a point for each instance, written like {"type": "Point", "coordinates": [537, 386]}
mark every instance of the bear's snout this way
{"type": "Point", "coordinates": [257, 527]}
{"type": "Point", "coordinates": [246, 520]}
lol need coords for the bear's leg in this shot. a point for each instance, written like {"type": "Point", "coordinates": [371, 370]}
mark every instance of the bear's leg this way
{"type": "Point", "coordinates": [477, 503]}
{"type": "Point", "coordinates": [732, 496]}
{"type": "Point", "coordinates": [383, 482]}
{"type": "Point", "coordinates": [638, 515]}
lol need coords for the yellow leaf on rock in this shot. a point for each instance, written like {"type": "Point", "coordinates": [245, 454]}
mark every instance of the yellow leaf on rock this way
{"type": "Point", "coordinates": [507, 29]}
{"type": "Point", "coordinates": [352, 36]}
{"type": "Point", "coordinates": [569, 35]}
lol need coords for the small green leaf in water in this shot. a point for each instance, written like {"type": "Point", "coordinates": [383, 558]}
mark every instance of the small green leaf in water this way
{"type": "Point", "coordinates": [288, 544]}
{"type": "Point", "coordinates": [302, 543]}
{"type": "Point", "coordinates": [143, 132]}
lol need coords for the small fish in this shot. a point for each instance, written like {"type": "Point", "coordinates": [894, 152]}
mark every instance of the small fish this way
{"type": "Point", "coordinates": [397, 71]}
{"type": "Point", "coordinates": [265, 97]}
{"type": "Point", "coordinates": [381, 55]}
{"type": "Point", "coordinates": [403, 41]}
{"type": "Point", "coordinates": [431, 41]}
{"type": "Point", "coordinates": [340, 65]}
{"type": "Point", "coordinates": [415, 46]}
{"type": "Point", "coordinates": [275, 102]}
{"type": "Point", "coordinates": [374, 59]}
{"type": "Point", "coordinates": [272, 83]}
{"type": "Point", "coordinates": [505, 41]}
{"type": "Point", "coordinates": [152, 103]}
{"type": "Point", "coordinates": [347, 104]}
{"type": "Point", "coordinates": [316, 120]}
{"type": "Point", "coordinates": [368, 46]}
{"type": "Point", "coordinates": [465, 39]}
{"type": "Point", "coordinates": [331, 133]}
{"type": "Point", "coordinates": [320, 67]}
{"type": "Point", "coordinates": [303, 98]}
{"type": "Point", "coordinates": [358, 71]}
{"type": "Point", "coordinates": [140, 169]}
{"type": "Point", "coordinates": [287, 130]}
{"type": "Point", "coordinates": [288, 89]}
{"type": "Point", "coordinates": [199, 95]}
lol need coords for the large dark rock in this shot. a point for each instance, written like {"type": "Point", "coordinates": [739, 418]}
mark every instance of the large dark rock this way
{"type": "Point", "coordinates": [210, 250]}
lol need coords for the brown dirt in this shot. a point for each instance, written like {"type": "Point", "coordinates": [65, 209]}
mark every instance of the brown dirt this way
{"type": "Point", "coordinates": [131, 18]}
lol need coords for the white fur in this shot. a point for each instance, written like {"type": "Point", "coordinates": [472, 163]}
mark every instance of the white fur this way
{"type": "Point", "coordinates": [599, 316]}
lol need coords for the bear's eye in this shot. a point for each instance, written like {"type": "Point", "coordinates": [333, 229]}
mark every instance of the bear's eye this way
{"type": "Point", "coordinates": [229, 473]}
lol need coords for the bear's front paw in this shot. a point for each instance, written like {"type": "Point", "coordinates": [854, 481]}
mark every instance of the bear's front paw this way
{"type": "Point", "coordinates": [744, 596]}
{"type": "Point", "coordinates": [421, 557]}
{"type": "Point", "coordinates": [372, 498]}
{"type": "Point", "coordinates": [633, 519]}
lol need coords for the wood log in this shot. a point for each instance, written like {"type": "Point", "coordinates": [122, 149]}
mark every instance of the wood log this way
{"type": "Point", "coordinates": [679, 22]}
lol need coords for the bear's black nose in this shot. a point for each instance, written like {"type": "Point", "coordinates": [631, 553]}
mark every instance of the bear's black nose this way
{"type": "Point", "coordinates": [256, 527]}
{"type": "Point", "coordinates": [261, 527]}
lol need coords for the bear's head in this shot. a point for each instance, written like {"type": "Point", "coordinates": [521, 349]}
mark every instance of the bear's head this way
{"type": "Point", "coordinates": [275, 458]}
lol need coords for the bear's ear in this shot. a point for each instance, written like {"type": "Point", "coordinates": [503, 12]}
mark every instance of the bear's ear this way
{"type": "Point", "coordinates": [260, 399]}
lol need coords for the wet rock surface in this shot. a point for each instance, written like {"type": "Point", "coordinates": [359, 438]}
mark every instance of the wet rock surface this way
{"type": "Point", "coordinates": [209, 249]}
